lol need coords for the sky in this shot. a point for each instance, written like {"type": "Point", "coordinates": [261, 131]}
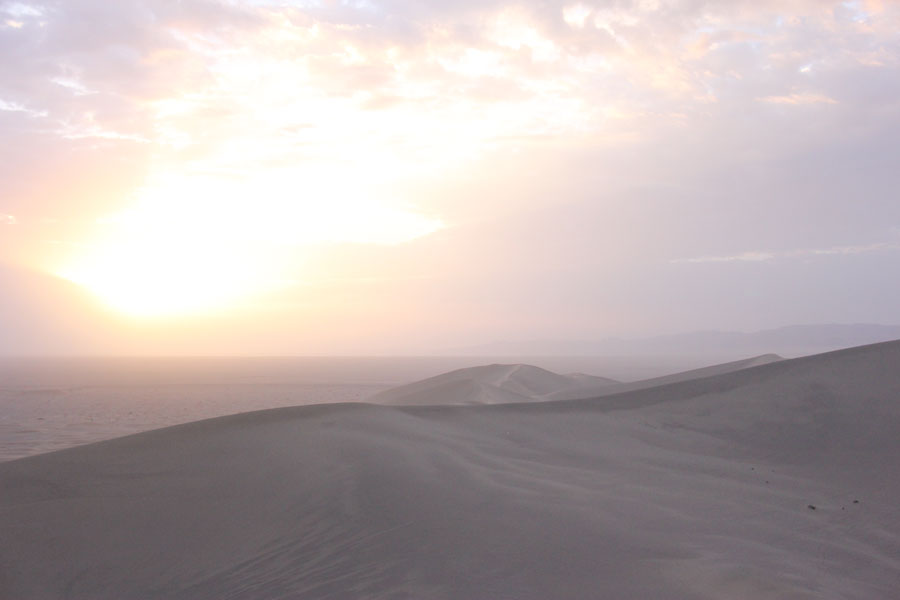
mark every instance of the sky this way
{"type": "Point", "coordinates": [317, 176]}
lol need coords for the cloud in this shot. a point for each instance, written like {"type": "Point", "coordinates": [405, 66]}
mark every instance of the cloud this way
{"type": "Point", "coordinates": [742, 257]}
{"type": "Point", "coordinates": [760, 256]}
{"type": "Point", "coordinates": [15, 107]}
{"type": "Point", "coordinates": [471, 73]}
{"type": "Point", "coordinates": [8, 220]}
{"type": "Point", "coordinates": [584, 137]}
{"type": "Point", "coordinates": [800, 99]}
{"type": "Point", "coordinates": [846, 250]}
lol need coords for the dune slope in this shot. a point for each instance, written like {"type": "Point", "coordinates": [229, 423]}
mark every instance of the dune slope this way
{"type": "Point", "coordinates": [778, 481]}
{"type": "Point", "coordinates": [720, 369]}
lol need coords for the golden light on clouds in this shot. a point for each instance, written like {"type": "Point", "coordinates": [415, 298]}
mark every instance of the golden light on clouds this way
{"type": "Point", "coordinates": [221, 156]}
{"type": "Point", "coordinates": [800, 99]}
{"type": "Point", "coordinates": [299, 136]}
{"type": "Point", "coordinates": [207, 244]}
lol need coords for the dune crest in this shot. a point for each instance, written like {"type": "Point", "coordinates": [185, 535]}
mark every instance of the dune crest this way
{"type": "Point", "coordinates": [504, 384]}
{"type": "Point", "coordinates": [711, 371]}
{"type": "Point", "coordinates": [491, 384]}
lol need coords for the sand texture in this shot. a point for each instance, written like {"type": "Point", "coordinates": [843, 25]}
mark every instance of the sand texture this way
{"type": "Point", "coordinates": [774, 481]}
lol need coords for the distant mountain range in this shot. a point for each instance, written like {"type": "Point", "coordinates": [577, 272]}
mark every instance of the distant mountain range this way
{"type": "Point", "coordinates": [42, 314]}
{"type": "Point", "coordinates": [794, 340]}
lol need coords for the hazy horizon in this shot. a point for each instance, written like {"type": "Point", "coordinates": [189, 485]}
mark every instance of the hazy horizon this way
{"type": "Point", "coordinates": [278, 177]}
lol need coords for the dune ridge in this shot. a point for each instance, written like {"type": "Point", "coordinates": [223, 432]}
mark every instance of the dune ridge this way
{"type": "Point", "coordinates": [720, 369]}
{"type": "Point", "coordinates": [774, 481]}
{"type": "Point", "coordinates": [491, 384]}
{"type": "Point", "coordinates": [516, 383]}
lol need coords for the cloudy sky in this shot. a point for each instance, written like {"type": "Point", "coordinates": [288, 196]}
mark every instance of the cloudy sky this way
{"type": "Point", "coordinates": [366, 175]}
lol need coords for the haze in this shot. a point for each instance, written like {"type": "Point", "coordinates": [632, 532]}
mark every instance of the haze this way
{"type": "Point", "coordinates": [354, 177]}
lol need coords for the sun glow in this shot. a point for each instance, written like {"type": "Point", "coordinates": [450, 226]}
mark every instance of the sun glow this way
{"type": "Point", "coordinates": [200, 245]}
{"type": "Point", "coordinates": [299, 136]}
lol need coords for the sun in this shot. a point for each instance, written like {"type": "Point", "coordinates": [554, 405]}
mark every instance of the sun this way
{"type": "Point", "coordinates": [145, 277]}
{"type": "Point", "coordinates": [201, 245]}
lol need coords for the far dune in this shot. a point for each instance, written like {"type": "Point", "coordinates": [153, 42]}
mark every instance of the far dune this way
{"type": "Point", "coordinates": [491, 384]}
{"type": "Point", "coordinates": [502, 384]}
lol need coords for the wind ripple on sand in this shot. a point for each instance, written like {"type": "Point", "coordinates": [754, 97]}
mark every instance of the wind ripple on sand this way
{"type": "Point", "coordinates": [698, 489]}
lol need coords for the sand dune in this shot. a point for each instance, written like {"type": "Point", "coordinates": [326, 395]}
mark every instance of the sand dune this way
{"type": "Point", "coordinates": [503, 384]}
{"type": "Point", "coordinates": [492, 384]}
{"type": "Point", "coordinates": [729, 367]}
{"type": "Point", "coordinates": [778, 481]}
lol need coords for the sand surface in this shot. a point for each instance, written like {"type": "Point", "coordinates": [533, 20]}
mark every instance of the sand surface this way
{"type": "Point", "coordinates": [701, 488]}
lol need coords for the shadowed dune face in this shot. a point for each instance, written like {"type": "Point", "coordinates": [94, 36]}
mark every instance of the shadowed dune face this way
{"type": "Point", "coordinates": [696, 489]}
